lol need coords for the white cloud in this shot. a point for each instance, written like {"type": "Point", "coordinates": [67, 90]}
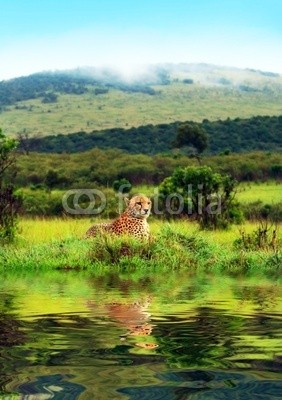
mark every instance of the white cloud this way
{"type": "Point", "coordinates": [128, 49]}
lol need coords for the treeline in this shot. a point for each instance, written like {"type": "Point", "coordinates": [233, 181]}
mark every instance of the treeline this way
{"type": "Point", "coordinates": [238, 135]}
{"type": "Point", "coordinates": [102, 167]}
{"type": "Point", "coordinates": [43, 179]}
{"type": "Point", "coordinates": [40, 85]}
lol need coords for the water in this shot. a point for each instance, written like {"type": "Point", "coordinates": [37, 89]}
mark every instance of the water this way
{"type": "Point", "coordinates": [132, 336]}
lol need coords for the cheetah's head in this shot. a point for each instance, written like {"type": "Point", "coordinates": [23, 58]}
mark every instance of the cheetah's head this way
{"type": "Point", "coordinates": [139, 206]}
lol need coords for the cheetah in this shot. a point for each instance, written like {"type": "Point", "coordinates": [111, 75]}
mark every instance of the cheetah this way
{"type": "Point", "coordinates": [133, 221]}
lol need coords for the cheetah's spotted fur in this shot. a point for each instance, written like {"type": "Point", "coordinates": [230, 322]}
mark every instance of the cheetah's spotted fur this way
{"type": "Point", "coordinates": [133, 221]}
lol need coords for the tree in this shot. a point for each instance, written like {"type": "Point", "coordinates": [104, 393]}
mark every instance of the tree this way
{"type": "Point", "coordinates": [191, 135]}
{"type": "Point", "coordinates": [50, 97]}
{"type": "Point", "coordinates": [204, 194]}
{"type": "Point", "coordinates": [122, 185]}
{"type": "Point", "coordinates": [51, 179]}
{"type": "Point", "coordinates": [24, 141]}
{"type": "Point", "coordinates": [9, 202]}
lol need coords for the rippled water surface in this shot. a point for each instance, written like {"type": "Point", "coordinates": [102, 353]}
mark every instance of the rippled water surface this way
{"type": "Point", "coordinates": [133, 336]}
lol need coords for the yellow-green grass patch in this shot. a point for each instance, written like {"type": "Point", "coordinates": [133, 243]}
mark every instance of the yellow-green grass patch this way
{"type": "Point", "coordinates": [269, 192]}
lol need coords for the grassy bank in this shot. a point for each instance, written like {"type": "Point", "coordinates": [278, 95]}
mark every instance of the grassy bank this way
{"type": "Point", "coordinates": [58, 244]}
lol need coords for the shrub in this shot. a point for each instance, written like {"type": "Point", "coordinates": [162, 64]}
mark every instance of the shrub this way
{"type": "Point", "coordinates": [9, 208]}
{"type": "Point", "coordinates": [9, 202]}
{"type": "Point", "coordinates": [39, 202]}
{"type": "Point", "coordinates": [258, 210]}
{"type": "Point", "coordinates": [263, 237]}
{"type": "Point", "coordinates": [122, 185]}
{"type": "Point", "coordinates": [50, 97]}
{"type": "Point", "coordinates": [202, 193]}
{"type": "Point", "coordinates": [276, 171]}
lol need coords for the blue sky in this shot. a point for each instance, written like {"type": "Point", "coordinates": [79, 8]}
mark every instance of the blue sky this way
{"type": "Point", "coordinates": [62, 34]}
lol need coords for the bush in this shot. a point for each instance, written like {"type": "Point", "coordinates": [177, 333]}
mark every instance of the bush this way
{"type": "Point", "coordinates": [50, 97]}
{"type": "Point", "coordinates": [122, 186]}
{"type": "Point", "coordinates": [98, 91]}
{"type": "Point", "coordinates": [39, 202]}
{"type": "Point", "coordinates": [263, 237]}
{"type": "Point", "coordinates": [202, 193]}
{"type": "Point", "coordinates": [9, 202]}
{"type": "Point", "coordinates": [188, 81]}
{"type": "Point", "coordinates": [276, 171]}
{"type": "Point", "coordinates": [259, 211]}
{"type": "Point", "coordinates": [114, 250]}
{"type": "Point", "coordinates": [9, 208]}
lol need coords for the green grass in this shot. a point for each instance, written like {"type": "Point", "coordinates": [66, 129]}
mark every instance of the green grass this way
{"type": "Point", "coordinates": [58, 244]}
{"type": "Point", "coordinates": [174, 102]}
{"type": "Point", "coordinates": [269, 192]}
{"type": "Point", "coordinates": [38, 231]}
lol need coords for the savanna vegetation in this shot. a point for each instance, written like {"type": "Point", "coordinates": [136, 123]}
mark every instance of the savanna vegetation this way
{"type": "Point", "coordinates": [9, 202]}
{"type": "Point", "coordinates": [42, 189]}
{"type": "Point", "coordinates": [96, 100]}
{"type": "Point", "coordinates": [102, 167]}
{"type": "Point", "coordinates": [156, 137]}
{"type": "Point", "coordinates": [201, 193]}
{"type": "Point", "coordinates": [41, 85]}
{"type": "Point", "coordinates": [194, 306]}
{"type": "Point", "coordinates": [58, 244]}
{"type": "Point", "coordinates": [192, 298]}
{"type": "Point", "coordinates": [237, 135]}
{"type": "Point", "coordinates": [249, 248]}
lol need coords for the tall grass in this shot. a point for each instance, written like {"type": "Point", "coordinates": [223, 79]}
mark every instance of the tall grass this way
{"type": "Point", "coordinates": [58, 244]}
{"type": "Point", "coordinates": [45, 230]}
{"type": "Point", "coordinates": [35, 231]}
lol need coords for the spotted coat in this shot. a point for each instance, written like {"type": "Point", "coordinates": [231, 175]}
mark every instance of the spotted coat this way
{"type": "Point", "coordinates": [133, 221]}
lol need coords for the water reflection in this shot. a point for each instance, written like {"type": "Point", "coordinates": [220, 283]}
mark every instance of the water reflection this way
{"type": "Point", "coordinates": [207, 385]}
{"type": "Point", "coordinates": [134, 336]}
{"type": "Point", "coordinates": [132, 317]}
{"type": "Point", "coordinates": [51, 387]}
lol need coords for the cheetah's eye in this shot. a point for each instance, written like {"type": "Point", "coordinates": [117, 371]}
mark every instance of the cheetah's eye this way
{"type": "Point", "coordinates": [139, 203]}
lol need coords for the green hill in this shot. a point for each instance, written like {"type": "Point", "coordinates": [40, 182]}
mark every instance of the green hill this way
{"type": "Point", "coordinates": [94, 100]}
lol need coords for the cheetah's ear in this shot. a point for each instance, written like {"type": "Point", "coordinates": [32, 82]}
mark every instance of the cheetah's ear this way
{"type": "Point", "coordinates": [126, 200]}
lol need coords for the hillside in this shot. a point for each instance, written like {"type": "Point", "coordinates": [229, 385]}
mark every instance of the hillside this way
{"type": "Point", "coordinates": [93, 100]}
